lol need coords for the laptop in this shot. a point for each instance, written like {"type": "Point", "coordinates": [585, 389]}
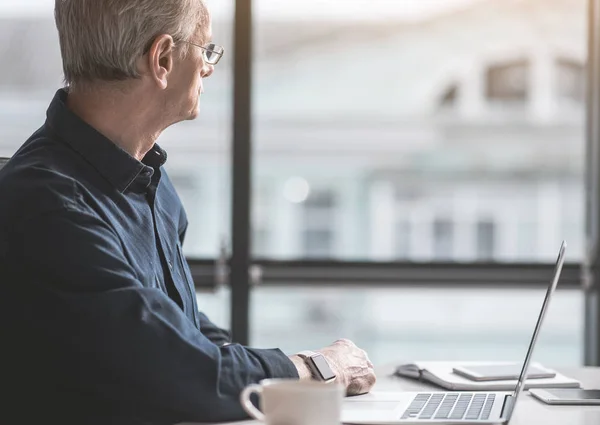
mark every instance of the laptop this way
{"type": "Point", "coordinates": [433, 407]}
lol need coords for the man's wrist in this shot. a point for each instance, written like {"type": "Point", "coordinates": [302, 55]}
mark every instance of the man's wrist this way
{"type": "Point", "coordinates": [304, 372]}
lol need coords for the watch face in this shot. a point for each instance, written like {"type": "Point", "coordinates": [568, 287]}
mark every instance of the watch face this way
{"type": "Point", "coordinates": [323, 368]}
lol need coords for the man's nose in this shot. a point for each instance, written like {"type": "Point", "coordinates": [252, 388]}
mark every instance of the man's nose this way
{"type": "Point", "coordinates": [207, 70]}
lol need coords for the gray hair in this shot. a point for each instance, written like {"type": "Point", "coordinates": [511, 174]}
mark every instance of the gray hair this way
{"type": "Point", "coordinates": [103, 39]}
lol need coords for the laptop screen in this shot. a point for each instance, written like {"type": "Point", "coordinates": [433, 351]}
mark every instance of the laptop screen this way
{"type": "Point", "coordinates": [549, 292]}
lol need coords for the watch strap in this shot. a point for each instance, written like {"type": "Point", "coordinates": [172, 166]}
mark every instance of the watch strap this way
{"type": "Point", "coordinates": [306, 353]}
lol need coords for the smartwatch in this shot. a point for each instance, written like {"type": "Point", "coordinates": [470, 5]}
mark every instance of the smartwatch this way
{"type": "Point", "coordinates": [316, 362]}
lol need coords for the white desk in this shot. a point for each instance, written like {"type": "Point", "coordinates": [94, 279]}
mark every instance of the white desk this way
{"type": "Point", "coordinates": [529, 411]}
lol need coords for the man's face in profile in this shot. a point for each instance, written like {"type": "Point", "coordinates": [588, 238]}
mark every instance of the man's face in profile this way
{"type": "Point", "coordinates": [186, 83]}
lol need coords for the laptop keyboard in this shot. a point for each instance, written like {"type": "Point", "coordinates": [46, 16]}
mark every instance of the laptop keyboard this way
{"type": "Point", "coordinates": [455, 406]}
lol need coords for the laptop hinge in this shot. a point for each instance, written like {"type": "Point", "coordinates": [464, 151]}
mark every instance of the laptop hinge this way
{"type": "Point", "coordinates": [507, 406]}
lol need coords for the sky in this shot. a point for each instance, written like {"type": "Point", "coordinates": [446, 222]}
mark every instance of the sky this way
{"type": "Point", "coordinates": [289, 9]}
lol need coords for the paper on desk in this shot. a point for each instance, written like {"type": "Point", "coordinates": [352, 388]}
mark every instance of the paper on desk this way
{"type": "Point", "coordinates": [440, 373]}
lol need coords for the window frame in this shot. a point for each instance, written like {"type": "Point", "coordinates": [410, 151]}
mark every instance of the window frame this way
{"type": "Point", "coordinates": [388, 274]}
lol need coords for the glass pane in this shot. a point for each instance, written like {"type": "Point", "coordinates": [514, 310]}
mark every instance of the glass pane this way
{"type": "Point", "coordinates": [443, 239]}
{"type": "Point", "coordinates": [411, 112]}
{"type": "Point", "coordinates": [571, 80]}
{"type": "Point", "coordinates": [198, 160]}
{"type": "Point", "coordinates": [319, 223]}
{"type": "Point", "coordinates": [485, 240]}
{"type": "Point", "coordinates": [408, 324]}
{"type": "Point", "coordinates": [215, 305]}
{"type": "Point", "coordinates": [32, 71]}
{"type": "Point", "coordinates": [402, 239]}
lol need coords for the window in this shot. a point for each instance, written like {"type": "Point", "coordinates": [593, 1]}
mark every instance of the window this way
{"type": "Point", "coordinates": [26, 88]}
{"type": "Point", "coordinates": [508, 81]}
{"type": "Point", "coordinates": [349, 103]}
{"type": "Point", "coordinates": [527, 239]}
{"type": "Point", "coordinates": [189, 189]}
{"type": "Point", "coordinates": [318, 122]}
{"type": "Point", "coordinates": [486, 239]}
{"type": "Point", "coordinates": [443, 239]}
{"type": "Point", "coordinates": [318, 218]}
{"type": "Point", "coordinates": [260, 241]}
{"type": "Point", "coordinates": [402, 239]}
{"type": "Point", "coordinates": [571, 80]}
{"type": "Point", "coordinates": [394, 324]}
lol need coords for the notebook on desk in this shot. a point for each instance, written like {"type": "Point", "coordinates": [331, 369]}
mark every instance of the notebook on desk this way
{"type": "Point", "coordinates": [442, 375]}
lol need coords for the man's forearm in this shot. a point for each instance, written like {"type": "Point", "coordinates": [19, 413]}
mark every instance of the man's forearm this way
{"type": "Point", "coordinates": [217, 335]}
{"type": "Point", "coordinates": [303, 371]}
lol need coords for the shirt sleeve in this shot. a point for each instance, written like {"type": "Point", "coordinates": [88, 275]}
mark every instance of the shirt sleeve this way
{"type": "Point", "coordinates": [217, 335]}
{"type": "Point", "coordinates": [114, 338]}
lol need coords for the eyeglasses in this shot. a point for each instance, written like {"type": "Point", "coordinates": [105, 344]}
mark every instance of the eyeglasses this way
{"type": "Point", "coordinates": [211, 53]}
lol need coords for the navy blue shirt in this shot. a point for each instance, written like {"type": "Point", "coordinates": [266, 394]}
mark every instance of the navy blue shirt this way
{"type": "Point", "coordinates": [99, 316]}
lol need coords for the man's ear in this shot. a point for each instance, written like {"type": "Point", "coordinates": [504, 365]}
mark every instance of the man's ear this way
{"type": "Point", "coordinates": [160, 59]}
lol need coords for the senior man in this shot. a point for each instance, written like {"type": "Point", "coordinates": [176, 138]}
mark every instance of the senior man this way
{"type": "Point", "coordinates": [100, 322]}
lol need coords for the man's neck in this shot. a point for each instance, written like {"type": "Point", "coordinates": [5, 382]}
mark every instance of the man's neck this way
{"type": "Point", "coordinates": [125, 119]}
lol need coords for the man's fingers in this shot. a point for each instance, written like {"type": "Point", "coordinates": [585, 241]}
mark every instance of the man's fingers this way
{"type": "Point", "coordinates": [355, 387]}
{"type": "Point", "coordinates": [371, 379]}
{"type": "Point", "coordinates": [362, 384]}
{"type": "Point", "coordinates": [368, 381]}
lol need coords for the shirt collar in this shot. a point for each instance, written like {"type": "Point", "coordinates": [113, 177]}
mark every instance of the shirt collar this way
{"type": "Point", "coordinates": [111, 161]}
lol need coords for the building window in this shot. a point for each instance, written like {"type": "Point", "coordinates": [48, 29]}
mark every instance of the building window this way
{"type": "Point", "coordinates": [402, 239]}
{"type": "Point", "coordinates": [319, 221]}
{"type": "Point", "coordinates": [508, 81]}
{"type": "Point", "coordinates": [486, 239]}
{"type": "Point", "coordinates": [443, 239]}
{"type": "Point", "coordinates": [571, 80]}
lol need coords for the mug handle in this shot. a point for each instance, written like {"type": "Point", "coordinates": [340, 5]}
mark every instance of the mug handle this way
{"type": "Point", "coordinates": [247, 404]}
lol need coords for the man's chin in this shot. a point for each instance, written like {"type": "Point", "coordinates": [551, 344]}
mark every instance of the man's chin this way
{"type": "Point", "coordinates": [193, 114]}
{"type": "Point", "coordinates": [195, 111]}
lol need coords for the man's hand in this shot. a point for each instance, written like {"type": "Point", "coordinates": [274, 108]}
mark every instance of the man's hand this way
{"type": "Point", "coordinates": [351, 365]}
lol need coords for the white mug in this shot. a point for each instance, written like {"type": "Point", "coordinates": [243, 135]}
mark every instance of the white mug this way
{"type": "Point", "coordinates": [294, 402]}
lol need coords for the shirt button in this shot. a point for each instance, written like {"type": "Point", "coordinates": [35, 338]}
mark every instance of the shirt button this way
{"type": "Point", "coordinates": [170, 265]}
